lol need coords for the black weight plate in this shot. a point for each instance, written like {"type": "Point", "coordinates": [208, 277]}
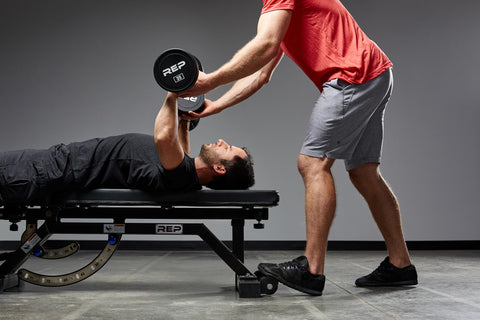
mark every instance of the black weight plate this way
{"type": "Point", "coordinates": [198, 63]}
{"type": "Point", "coordinates": [175, 70]}
{"type": "Point", "coordinates": [193, 124]}
{"type": "Point", "coordinates": [194, 104]}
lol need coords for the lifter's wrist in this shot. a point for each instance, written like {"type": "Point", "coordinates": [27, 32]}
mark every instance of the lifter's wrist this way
{"type": "Point", "coordinates": [184, 124]}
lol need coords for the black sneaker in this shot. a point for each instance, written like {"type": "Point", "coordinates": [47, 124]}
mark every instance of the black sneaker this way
{"type": "Point", "coordinates": [389, 275]}
{"type": "Point", "coordinates": [295, 274]}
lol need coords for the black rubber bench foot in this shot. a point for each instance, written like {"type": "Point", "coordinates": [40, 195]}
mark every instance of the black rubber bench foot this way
{"type": "Point", "coordinates": [248, 286]}
{"type": "Point", "coordinates": [9, 281]}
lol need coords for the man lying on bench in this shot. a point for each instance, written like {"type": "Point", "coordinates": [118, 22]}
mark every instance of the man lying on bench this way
{"type": "Point", "coordinates": [130, 161]}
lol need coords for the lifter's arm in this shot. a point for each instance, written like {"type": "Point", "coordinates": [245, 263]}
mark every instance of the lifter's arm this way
{"type": "Point", "coordinates": [255, 55]}
{"type": "Point", "coordinates": [184, 135]}
{"type": "Point", "coordinates": [166, 134]}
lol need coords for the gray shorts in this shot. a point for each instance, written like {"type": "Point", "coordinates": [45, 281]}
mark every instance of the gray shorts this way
{"type": "Point", "coordinates": [347, 121]}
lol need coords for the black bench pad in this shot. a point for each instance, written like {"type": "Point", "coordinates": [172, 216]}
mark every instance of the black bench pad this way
{"type": "Point", "coordinates": [201, 198]}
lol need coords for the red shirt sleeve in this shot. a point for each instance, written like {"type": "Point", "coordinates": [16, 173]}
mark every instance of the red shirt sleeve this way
{"type": "Point", "coordinates": [272, 5]}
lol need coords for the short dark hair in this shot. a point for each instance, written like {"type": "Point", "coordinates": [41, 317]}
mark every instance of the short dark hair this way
{"type": "Point", "coordinates": [239, 174]}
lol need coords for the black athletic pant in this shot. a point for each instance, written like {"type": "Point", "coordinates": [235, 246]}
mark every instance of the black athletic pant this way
{"type": "Point", "coordinates": [32, 176]}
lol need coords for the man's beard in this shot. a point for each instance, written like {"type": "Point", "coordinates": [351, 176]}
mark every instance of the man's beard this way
{"type": "Point", "coordinates": [207, 155]}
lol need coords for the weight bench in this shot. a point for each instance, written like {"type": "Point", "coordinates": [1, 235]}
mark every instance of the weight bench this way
{"type": "Point", "coordinates": [118, 205]}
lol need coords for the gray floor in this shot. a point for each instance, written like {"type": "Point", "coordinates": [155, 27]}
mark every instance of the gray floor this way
{"type": "Point", "coordinates": [197, 285]}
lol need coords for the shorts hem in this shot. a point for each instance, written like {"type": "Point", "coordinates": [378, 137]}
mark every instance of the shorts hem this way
{"type": "Point", "coordinates": [349, 163]}
{"type": "Point", "coordinates": [322, 154]}
{"type": "Point", "coordinates": [354, 163]}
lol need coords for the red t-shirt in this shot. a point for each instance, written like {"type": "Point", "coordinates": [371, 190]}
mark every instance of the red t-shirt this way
{"type": "Point", "coordinates": [324, 40]}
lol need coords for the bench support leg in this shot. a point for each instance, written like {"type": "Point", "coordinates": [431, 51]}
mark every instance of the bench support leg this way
{"type": "Point", "coordinates": [246, 283]}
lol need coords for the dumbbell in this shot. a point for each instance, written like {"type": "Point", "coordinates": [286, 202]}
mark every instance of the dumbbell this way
{"type": "Point", "coordinates": [176, 70]}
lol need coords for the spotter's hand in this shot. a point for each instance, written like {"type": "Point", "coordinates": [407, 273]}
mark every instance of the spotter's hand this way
{"type": "Point", "coordinates": [210, 107]}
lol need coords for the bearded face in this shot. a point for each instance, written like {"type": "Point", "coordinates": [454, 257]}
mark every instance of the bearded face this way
{"type": "Point", "coordinates": [216, 152]}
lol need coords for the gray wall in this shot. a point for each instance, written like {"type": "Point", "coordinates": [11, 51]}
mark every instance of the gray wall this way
{"type": "Point", "coordinates": [73, 70]}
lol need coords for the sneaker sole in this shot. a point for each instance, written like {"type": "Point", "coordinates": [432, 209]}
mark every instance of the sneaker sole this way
{"type": "Point", "coordinates": [388, 284]}
{"type": "Point", "coordinates": [289, 284]}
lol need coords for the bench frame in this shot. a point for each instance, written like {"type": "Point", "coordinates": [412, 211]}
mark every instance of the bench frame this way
{"type": "Point", "coordinates": [122, 208]}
